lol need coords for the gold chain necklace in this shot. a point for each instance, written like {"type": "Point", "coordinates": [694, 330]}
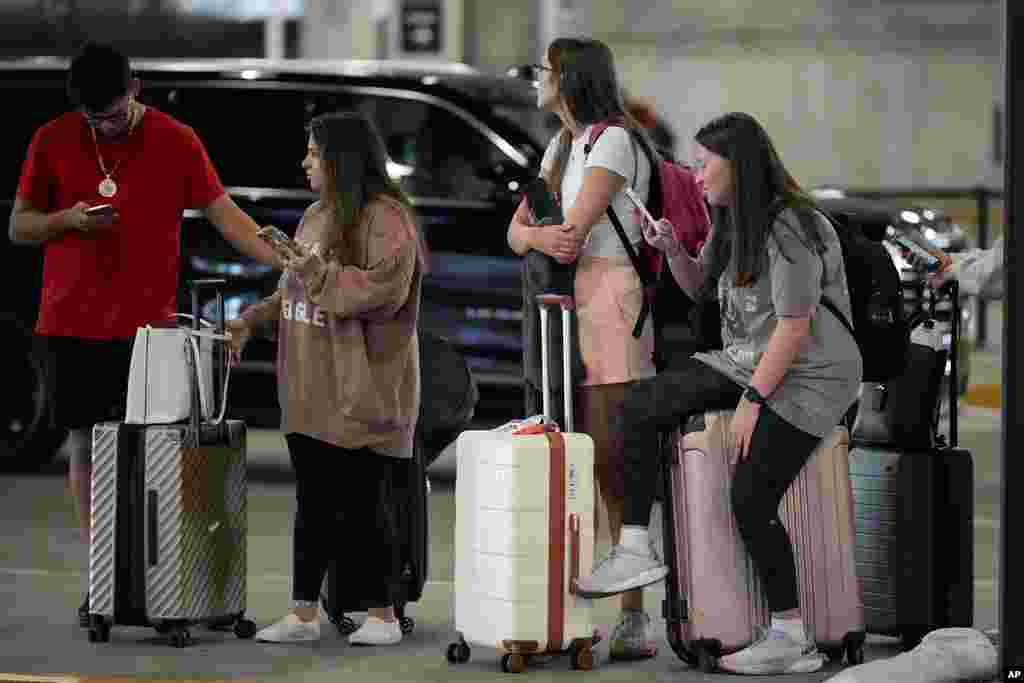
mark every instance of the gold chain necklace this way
{"type": "Point", "coordinates": [107, 187]}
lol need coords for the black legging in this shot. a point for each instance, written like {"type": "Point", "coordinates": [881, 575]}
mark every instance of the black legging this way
{"type": "Point", "coordinates": [342, 514]}
{"type": "Point", "coordinates": [778, 451]}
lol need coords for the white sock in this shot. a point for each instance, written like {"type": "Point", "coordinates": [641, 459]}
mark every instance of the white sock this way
{"type": "Point", "coordinates": [794, 628]}
{"type": "Point", "coordinates": [635, 538]}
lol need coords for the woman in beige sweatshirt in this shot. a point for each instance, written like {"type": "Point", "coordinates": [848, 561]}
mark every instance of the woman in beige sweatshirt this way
{"type": "Point", "coordinates": [348, 370]}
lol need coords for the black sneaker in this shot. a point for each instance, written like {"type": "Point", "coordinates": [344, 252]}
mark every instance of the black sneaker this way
{"type": "Point", "coordinates": [83, 613]}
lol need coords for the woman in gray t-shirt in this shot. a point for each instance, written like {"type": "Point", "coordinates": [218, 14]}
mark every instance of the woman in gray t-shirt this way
{"type": "Point", "coordinates": [788, 367]}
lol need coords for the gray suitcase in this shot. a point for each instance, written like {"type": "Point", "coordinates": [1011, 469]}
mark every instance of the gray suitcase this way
{"type": "Point", "coordinates": [168, 545]}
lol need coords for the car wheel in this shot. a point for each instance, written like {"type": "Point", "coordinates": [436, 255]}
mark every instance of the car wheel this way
{"type": "Point", "coordinates": [28, 441]}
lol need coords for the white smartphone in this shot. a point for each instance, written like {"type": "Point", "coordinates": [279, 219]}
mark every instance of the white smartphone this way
{"type": "Point", "coordinates": [100, 210]}
{"type": "Point", "coordinates": [640, 205]}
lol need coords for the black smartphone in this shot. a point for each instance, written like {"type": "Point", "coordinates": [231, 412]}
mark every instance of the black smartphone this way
{"type": "Point", "coordinates": [542, 205]}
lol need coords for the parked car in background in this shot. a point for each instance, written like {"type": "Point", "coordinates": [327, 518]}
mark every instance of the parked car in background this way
{"type": "Point", "coordinates": [461, 144]}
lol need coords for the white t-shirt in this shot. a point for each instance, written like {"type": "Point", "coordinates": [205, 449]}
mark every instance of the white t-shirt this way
{"type": "Point", "coordinates": [616, 151]}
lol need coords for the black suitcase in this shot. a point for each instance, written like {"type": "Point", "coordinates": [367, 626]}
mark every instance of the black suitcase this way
{"type": "Point", "coordinates": [914, 512]}
{"type": "Point", "coordinates": [409, 493]}
{"type": "Point", "coordinates": [168, 545]}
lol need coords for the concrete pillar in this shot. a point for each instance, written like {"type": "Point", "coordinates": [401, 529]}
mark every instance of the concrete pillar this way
{"type": "Point", "coordinates": [564, 18]}
{"type": "Point", "coordinates": [326, 33]}
{"type": "Point", "coordinates": [273, 27]}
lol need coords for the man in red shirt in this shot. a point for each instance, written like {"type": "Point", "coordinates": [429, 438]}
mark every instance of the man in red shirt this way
{"type": "Point", "coordinates": [107, 273]}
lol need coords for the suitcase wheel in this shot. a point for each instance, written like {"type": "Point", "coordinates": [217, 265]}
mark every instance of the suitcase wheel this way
{"type": "Point", "coordinates": [582, 657]}
{"type": "Point", "coordinates": [853, 643]}
{"type": "Point", "coordinates": [245, 628]}
{"type": "Point", "coordinates": [180, 637]}
{"type": "Point", "coordinates": [99, 632]}
{"type": "Point", "coordinates": [458, 653]}
{"type": "Point", "coordinates": [513, 663]}
{"type": "Point", "coordinates": [706, 661]}
{"type": "Point", "coordinates": [344, 624]}
{"type": "Point", "coordinates": [407, 624]}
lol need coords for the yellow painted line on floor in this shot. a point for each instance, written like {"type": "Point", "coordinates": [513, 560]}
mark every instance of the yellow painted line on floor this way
{"type": "Point", "coordinates": [984, 396]}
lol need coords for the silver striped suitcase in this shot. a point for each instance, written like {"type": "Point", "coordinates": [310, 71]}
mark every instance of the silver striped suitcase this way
{"type": "Point", "coordinates": [168, 504]}
{"type": "Point", "coordinates": [168, 546]}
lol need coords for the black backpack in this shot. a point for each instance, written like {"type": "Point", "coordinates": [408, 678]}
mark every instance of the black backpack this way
{"type": "Point", "coordinates": [879, 325]}
{"type": "Point", "coordinates": [876, 300]}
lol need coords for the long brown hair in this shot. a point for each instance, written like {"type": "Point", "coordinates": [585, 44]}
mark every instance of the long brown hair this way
{"type": "Point", "coordinates": [762, 188]}
{"type": "Point", "coordinates": [587, 83]}
{"type": "Point", "coordinates": [354, 163]}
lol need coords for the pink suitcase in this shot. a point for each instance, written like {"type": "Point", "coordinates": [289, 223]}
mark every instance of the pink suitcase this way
{"type": "Point", "coordinates": [817, 512]}
{"type": "Point", "coordinates": [714, 601]}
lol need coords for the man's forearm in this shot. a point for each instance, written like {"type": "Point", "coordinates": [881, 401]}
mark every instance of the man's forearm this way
{"type": "Point", "coordinates": [28, 226]}
{"type": "Point", "coordinates": [239, 229]}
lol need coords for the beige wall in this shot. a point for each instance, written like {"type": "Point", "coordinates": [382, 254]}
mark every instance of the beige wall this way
{"type": "Point", "coordinates": [856, 92]}
{"type": "Point", "coordinates": [347, 29]}
{"type": "Point", "coordinates": [871, 120]}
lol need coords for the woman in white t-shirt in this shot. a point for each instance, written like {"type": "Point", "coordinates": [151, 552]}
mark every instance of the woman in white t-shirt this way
{"type": "Point", "coordinates": [577, 82]}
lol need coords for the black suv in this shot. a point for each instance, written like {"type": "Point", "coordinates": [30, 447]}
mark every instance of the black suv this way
{"type": "Point", "coordinates": [462, 143]}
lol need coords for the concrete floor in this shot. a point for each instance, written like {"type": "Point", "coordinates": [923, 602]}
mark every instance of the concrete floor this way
{"type": "Point", "coordinates": [41, 583]}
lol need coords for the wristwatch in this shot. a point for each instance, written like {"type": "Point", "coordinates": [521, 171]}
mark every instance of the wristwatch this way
{"type": "Point", "coordinates": [754, 396]}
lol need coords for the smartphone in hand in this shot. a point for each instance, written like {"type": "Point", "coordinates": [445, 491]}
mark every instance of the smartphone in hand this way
{"type": "Point", "coordinates": [102, 210]}
{"type": "Point", "coordinates": [544, 210]}
{"type": "Point", "coordinates": [277, 238]}
{"type": "Point", "coordinates": [640, 206]}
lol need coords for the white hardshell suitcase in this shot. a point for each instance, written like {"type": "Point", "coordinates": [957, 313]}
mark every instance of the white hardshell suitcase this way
{"type": "Point", "coordinates": [524, 506]}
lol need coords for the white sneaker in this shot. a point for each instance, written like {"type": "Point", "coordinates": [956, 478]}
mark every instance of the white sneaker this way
{"type": "Point", "coordinates": [291, 629]}
{"type": "Point", "coordinates": [376, 631]}
{"type": "Point", "coordinates": [774, 652]}
{"type": "Point", "coordinates": [623, 570]}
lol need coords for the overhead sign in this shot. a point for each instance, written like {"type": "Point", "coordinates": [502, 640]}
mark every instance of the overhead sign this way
{"type": "Point", "coordinates": [421, 26]}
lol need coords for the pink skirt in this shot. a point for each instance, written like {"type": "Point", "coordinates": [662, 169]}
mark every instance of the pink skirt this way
{"type": "Point", "coordinates": [608, 300]}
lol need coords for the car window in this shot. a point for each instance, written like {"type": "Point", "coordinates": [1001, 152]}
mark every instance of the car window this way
{"type": "Point", "coordinates": [255, 137]}
{"type": "Point", "coordinates": [434, 153]}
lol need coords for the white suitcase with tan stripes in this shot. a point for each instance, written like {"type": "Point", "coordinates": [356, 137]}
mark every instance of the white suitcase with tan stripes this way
{"type": "Point", "coordinates": [524, 507]}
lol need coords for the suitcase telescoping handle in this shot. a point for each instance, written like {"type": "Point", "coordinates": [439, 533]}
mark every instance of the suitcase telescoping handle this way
{"type": "Point", "coordinates": [567, 305]}
{"type": "Point", "coordinates": [952, 290]}
{"type": "Point", "coordinates": [219, 360]}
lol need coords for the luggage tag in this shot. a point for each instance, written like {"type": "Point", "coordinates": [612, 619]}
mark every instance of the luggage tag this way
{"type": "Point", "coordinates": [535, 424]}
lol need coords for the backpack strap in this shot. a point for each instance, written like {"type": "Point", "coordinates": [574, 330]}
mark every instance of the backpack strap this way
{"type": "Point", "coordinates": [645, 276]}
{"type": "Point", "coordinates": [806, 218]}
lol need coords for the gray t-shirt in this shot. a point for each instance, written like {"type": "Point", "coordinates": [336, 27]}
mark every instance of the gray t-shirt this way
{"type": "Point", "coordinates": [823, 380]}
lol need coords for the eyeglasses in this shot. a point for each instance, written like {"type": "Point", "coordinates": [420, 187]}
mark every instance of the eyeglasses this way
{"type": "Point", "coordinates": [116, 114]}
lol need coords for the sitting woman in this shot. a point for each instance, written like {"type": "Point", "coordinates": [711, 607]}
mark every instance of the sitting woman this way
{"type": "Point", "coordinates": [789, 367]}
{"type": "Point", "coordinates": [348, 372]}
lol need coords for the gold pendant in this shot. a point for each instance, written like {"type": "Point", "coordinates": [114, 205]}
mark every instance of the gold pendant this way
{"type": "Point", "coordinates": [108, 188]}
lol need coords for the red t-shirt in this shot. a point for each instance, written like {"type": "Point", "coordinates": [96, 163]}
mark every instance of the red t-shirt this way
{"type": "Point", "coordinates": [105, 284]}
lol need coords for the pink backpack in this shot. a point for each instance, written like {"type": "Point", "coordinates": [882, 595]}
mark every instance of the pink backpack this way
{"type": "Point", "coordinates": [675, 195]}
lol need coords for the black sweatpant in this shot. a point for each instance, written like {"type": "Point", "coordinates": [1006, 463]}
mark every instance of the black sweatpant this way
{"type": "Point", "coordinates": [777, 453]}
{"type": "Point", "coordinates": [343, 513]}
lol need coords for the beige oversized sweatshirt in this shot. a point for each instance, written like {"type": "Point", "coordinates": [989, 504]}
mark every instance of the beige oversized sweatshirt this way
{"type": "Point", "coordinates": [347, 359]}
